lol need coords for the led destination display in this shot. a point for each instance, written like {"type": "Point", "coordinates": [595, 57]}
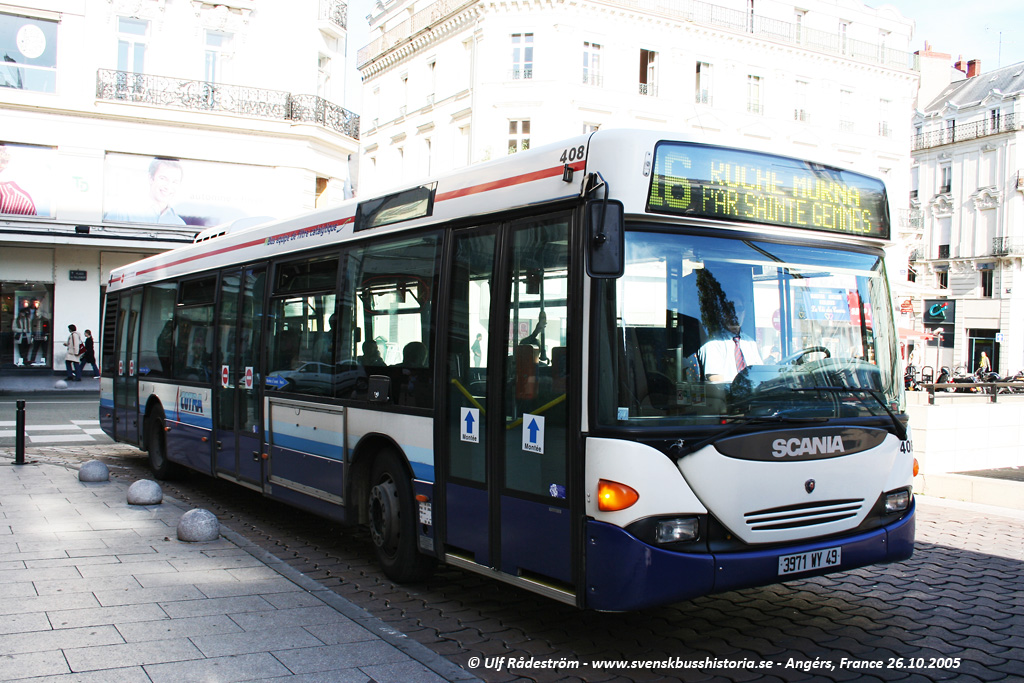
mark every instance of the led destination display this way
{"type": "Point", "coordinates": [718, 182]}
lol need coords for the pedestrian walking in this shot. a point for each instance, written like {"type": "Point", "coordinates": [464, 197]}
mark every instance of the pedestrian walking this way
{"type": "Point", "coordinates": [72, 359]}
{"type": "Point", "coordinates": [89, 358]}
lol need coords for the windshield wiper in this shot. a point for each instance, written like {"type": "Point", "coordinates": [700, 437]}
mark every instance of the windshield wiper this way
{"type": "Point", "coordinates": [901, 429]}
{"type": "Point", "coordinates": [681, 449]}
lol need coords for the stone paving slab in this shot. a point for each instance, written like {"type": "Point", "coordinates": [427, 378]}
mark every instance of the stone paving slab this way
{"type": "Point", "coordinates": [92, 589]}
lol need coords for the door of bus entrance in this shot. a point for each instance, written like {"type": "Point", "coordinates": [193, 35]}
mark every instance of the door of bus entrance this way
{"type": "Point", "coordinates": [239, 424]}
{"type": "Point", "coordinates": [126, 381]}
{"type": "Point", "coordinates": [507, 491]}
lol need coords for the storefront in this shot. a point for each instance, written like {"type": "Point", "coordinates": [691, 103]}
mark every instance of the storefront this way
{"type": "Point", "coordinates": [26, 325]}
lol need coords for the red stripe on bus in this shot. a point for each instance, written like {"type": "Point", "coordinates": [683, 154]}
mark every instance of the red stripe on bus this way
{"type": "Point", "coordinates": [223, 250]}
{"type": "Point", "coordinates": [509, 182]}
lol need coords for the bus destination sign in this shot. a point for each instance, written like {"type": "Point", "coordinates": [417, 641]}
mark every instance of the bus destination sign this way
{"type": "Point", "coordinates": [707, 181]}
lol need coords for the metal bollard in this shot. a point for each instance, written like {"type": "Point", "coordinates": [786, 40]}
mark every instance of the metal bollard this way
{"type": "Point", "coordinates": [19, 436]}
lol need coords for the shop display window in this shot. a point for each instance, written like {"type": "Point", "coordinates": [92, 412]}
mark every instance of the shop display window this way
{"type": "Point", "coordinates": [26, 325]}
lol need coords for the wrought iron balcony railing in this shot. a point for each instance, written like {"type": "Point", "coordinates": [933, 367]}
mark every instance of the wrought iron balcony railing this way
{"type": "Point", "coordinates": [687, 10]}
{"type": "Point", "coordinates": [335, 12]}
{"type": "Point", "coordinates": [968, 131]}
{"type": "Point", "coordinates": [1007, 246]}
{"type": "Point", "coordinates": [179, 93]}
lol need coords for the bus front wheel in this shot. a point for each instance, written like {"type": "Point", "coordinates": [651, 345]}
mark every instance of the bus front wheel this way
{"type": "Point", "coordinates": [392, 515]}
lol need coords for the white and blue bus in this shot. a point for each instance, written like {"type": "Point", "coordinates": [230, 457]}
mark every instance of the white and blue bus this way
{"type": "Point", "coordinates": [622, 371]}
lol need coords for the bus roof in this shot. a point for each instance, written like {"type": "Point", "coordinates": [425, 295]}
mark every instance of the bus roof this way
{"type": "Point", "coordinates": [542, 175]}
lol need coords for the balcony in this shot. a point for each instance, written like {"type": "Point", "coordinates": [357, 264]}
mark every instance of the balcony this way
{"type": "Point", "coordinates": [910, 219]}
{"type": "Point", "coordinates": [685, 10]}
{"type": "Point", "coordinates": [202, 96]}
{"type": "Point", "coordinates": [963, 132]}
{"type": "Point", "coordinates": [334, 12]}
{"type": "Point", "coordinates": [1007, 246]}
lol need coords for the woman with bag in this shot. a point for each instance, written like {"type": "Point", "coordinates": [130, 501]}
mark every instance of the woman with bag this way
{"type": "Point", "coordinates": [72, 360]}
{"type": "Point", "coordinates": [89, 357]}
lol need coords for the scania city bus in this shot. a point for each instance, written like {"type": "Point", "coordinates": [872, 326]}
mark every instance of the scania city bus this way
{"type": "Point", "coordinates": [622, 371]}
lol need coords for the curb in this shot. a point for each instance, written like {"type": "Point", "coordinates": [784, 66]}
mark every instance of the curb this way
{"type": "Point", "coordinates": [995, 492]}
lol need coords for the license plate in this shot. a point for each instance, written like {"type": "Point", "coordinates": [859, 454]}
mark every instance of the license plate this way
{"type": "Point", "coordinates": [810, 561]}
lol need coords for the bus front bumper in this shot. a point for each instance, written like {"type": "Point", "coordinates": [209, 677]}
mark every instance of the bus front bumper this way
{"type": "Point", "coordinates": [624, 573]}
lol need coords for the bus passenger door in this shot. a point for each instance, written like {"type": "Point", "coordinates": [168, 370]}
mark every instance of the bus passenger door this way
{"type": "Point", "coordinates": [239, 438]}
{"type": "Point", "coordinates": [507, 489]}
{"type": "Point", "coordinates": [126, 381]}
{"type": "Point", "coordinates": [532, 331]}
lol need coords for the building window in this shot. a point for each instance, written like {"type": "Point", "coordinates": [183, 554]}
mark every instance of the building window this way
{"type": "Point", "coordinates": [591, 63]}
{"type": "Point", "coordinates": [755, 104]}
{"type": "Point", "coordinates": [323, 76]}
{"type": "Point", "coordinates": [883, 118]}
{"type": "Point", "coordinates": [942, 279]}
{"type": "Point", "coordinates": [987, 279]}
{"type": "Point", "coordinates": [800, 102]}
{"type": "Point", "coordinates": [846, 109]}
{"type": "Point", "coordinates": [522, 56]}
{"type": "Point", "coordinates": [844, 37]}
{"type": "Point", "coordinates": [994, 120]}
{"type": "Point", "coordinates": [911, 273]}
{"type": "Point", "coordinates": [589, 128]}
{"type": "Point", "coordinates": [132, 36]}
{"type": "Point", "coordinates": [798, 25]}
{"type": "Point", "coordinates": [431, 81]}
{"type": "Point", "coordinates": [946, 174]}
{"type": "Point", "coordinates": [403, 95]}
{"type": "Point", "coordinates": [648, 75]}
{"type": "Point", "coordinates": [950, 131]}
{"type": "Point", "coordinates": [703, 90]}
{"type": "Point", "coordinates": [518, 136]}
{"type": "Point", "coordinates": [29, 48]}
{"type": "Point", "coordinates": [218, 54]}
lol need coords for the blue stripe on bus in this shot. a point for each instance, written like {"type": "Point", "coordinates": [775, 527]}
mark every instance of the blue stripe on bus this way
{"type": "Point", "coordinates": [624, 573]}
{"type": "Point", "coordinates": [303, 445]}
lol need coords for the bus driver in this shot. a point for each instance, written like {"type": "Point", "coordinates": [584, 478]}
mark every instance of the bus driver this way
{"type": "Point", "coordinates": [730, 351]}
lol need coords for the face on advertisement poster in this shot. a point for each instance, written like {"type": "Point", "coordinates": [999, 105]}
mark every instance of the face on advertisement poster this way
{"type": "Point", "coordinates": [170, 191]}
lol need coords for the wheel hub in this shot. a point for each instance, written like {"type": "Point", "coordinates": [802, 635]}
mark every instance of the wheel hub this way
{"type": "Point", "coordinates": [383, 514]}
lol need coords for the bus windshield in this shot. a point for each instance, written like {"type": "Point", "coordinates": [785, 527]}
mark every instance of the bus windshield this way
{"type": "Point", "coordinates": [701, 329]}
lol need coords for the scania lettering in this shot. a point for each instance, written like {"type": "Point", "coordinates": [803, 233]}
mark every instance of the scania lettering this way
{"type": "Point", "coordinates": [807, 446]}
{"type": "Point", "coordinates": [621, 371]}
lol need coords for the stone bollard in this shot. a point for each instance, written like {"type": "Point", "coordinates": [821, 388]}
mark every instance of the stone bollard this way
{"type": "Point", "coordinates": [94, 470]}
{"type": "Point", "coordinates": [145, 492]}
{"type": "Point", "coordinates": [198, 525]}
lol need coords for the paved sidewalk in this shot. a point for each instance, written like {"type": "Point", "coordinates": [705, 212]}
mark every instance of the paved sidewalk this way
{"type": "Point", "coordinates": [21, 383]}
{"type": "Point", "coordinates": [94, 589]}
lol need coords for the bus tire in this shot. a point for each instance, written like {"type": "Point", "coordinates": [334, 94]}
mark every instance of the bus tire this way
{"type": "Point", "coordinates": [156, 442]}
{"type": "Point", "coordinates": [393, 520]}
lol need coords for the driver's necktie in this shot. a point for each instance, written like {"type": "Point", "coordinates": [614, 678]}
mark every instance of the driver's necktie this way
{"type": "Point", "coordinates": [740, 362]}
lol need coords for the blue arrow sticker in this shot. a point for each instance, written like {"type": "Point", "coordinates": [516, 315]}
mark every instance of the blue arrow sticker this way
{"type": "Point", "coordinates": [469, 419]}
{"type": "Point", "coordinates": [533, 433]}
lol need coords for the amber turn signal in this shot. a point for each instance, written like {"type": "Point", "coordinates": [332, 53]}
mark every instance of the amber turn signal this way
{"type": "Point", "coordinates": [612, 496]}
{"type": "Point", "coordinates": [917, 467]}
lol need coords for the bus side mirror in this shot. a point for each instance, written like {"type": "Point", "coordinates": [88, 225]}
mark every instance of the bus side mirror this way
{"type": "Point", "coordinates": [606, 239]}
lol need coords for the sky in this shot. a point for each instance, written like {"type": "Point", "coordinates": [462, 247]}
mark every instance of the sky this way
{"type": "Point", "coordinates": [989, 30]}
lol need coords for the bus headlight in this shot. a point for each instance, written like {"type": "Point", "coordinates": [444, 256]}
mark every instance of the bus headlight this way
{"type": "Point", "coordinates": [897, 501]}
{"type": "Point", "coordinates": [675, 530]}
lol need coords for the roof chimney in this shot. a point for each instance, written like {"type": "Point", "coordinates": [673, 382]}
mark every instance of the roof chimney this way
{"type": "Point", "coordinates": [973, 68]}
{"type": "Point", "coordinates": [959, 64]}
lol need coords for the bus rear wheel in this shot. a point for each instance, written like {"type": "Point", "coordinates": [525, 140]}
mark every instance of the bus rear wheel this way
{"type": "Point", "coordinates": [156, 443]}
{"type": "Point", "coordinates": [392, 515]}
